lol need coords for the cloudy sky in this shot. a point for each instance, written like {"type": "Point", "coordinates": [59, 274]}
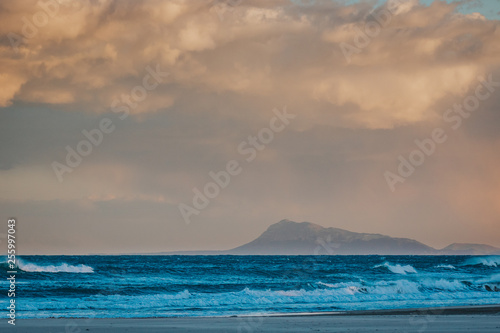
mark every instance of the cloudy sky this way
{"type": "Point", "coordinates": [170, 91]}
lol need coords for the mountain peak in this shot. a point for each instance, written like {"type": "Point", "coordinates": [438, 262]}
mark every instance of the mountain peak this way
{"type": "Point", "coordinates": [287, 224]}
{"type": "Point", "coordinates": [289, 237]}
{"type": "Point", "coordinates": [305, 238]}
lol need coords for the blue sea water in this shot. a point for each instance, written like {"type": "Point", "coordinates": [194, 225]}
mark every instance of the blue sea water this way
{"type": "Point", "coordinates": [167, 286]}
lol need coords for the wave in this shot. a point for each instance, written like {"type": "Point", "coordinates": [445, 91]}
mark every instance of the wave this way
{"type": "Point", "coordinates": [445, 285]}
{"type": "Point", "coordinates": [60, 268]}
{"type": "Point", "coordinates": [181, 286]}
{"type": "Point", "coordinates": [418, 286]}
{"type": "Point", "coordinates": [401, 286]}
{"type": "Point", "coordinates": [490, 261]}
{"type": "Point", "coordinates": [344, 296]}
{"type": "Point", "coordinates": [398, 269]}
{"type": "Point", "coordinates": [491, 283]}
{"type": "Point", "coordinates": [494, 278]}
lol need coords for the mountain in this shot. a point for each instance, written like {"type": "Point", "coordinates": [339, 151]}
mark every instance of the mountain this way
{"type": "Point", "coordinates": [292, 238]}
{"type": "Point", "coordinates": [475, 249]}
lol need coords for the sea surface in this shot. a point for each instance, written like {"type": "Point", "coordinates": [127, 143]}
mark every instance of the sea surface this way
{"type": "Point", "coordinates": [169, 286]}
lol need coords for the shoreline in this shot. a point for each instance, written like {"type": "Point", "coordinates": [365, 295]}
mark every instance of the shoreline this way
{"type": "Point", "coordinates": [477, 319]}
{"type": "Point", "coordinates": [447, 310]}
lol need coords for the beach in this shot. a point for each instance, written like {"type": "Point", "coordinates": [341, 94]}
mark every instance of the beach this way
{"type": "Point", "coordinates": [256, 294]}
{"type": "Point", "coordinates": [477, 319]}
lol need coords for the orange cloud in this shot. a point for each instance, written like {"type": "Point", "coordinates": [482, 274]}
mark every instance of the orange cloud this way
{"type": "Point", "coordinates": [88, 53]}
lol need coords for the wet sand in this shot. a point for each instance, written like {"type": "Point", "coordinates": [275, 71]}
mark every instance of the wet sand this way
{"type": "Point", "coordinates": [476, 319]}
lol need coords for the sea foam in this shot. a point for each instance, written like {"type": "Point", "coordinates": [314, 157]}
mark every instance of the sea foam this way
{"type": "Point", "coordinates": [491, 261]}
{"type": "Point", "coordinates": [61, 268]}
{"type": "Point", "coordinates": [398, 269]}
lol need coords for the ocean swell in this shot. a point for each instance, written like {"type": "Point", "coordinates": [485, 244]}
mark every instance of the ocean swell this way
{"type": "Point", "coordinates": [490, 261]}
{"type": "Point", "coordinates": [398, 269]}
{"type": "Point", "coordinates": [60, 268]}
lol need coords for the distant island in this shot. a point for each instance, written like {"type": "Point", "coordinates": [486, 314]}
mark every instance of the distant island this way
{"type": "Point", "coordinates": [293, 238]}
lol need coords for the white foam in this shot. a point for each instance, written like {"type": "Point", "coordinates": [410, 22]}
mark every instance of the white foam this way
{"type": "Point", "coordinates": [398, 269]}
{"type": "Point", "coordinates": [396, 287]}
{"type": "Point", "coordinates": [344, 293]}
{"type": "Point", "coordinates": [343, 296]}
{"type": "Point", "coordinates": [491, 261]}
{"type": "Point", "coordinates": [446, 266]}
{"type": "Point", "coordinates": [61, 268]}
{"type": "Point", "coordinates": [442, 284]}
{"type": "Point", "coordinates": [399, 287]}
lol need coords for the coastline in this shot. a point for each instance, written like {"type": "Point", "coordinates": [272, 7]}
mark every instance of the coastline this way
{"type": "Point", "coordinates": [447, 319]}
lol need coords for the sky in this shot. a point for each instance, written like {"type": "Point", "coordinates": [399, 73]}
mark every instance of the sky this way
{"type": "Point", "coordinates": [134, 127]}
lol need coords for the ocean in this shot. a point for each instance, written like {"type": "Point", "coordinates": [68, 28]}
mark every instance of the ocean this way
{"type": "Point", "coordinates": [171, 286]}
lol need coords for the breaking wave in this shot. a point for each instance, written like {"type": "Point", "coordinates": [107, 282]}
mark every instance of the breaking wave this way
{"type": "Point", "coordinates": [60, 268]}
{"type": "Point", "coordinates": [345, 295]}
{"type": "Point", "coordinates": [170, 286]}
{"type": "Point", "coordinates": [491, 261]}
{"type": "Point", "coordinates": [398, 269]}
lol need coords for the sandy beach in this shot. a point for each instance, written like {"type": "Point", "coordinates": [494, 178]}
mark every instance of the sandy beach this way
{"type": "Point", "coordinates": [457, 319]}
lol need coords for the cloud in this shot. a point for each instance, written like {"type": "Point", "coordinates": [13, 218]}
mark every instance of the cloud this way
{"type": "Point", "coordinates": [228, 67]}
{"type": "Point", "coordinates": [91, 52]}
